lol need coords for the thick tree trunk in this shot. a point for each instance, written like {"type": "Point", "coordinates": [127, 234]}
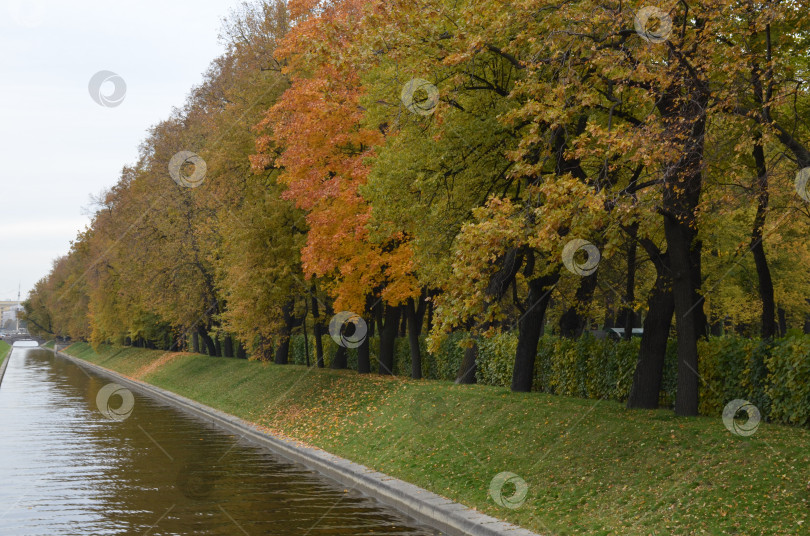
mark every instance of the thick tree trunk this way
{"type": "Point", "coordinates": [650, 367]}
{"type": "Point", "coordinates": [499, 283]}
{"type": "Point", "coordinates": [389, 327]}
{"type": "Point", "coordinates": [429, 322]}
{"type": "Point", "coordinates": [530, 328]}
{"type": "Point", "coordinates": [282, 356]}
{"type": "Point", "coordinates": [716, 327]}
{"type": "Point", "coordinates": [208, 341]}
{"type": "Point", "coordinates": [701, 320]}
{"type": "Point", "coordinates": [680, 240]}
{"type": "Point", "coordinates": [683, 107]}
{"type": "Point", "coordinates": [415, 314]}
{"type": "Point", "coordinates": [241, 353]}
{"type": "Point", "coordinates": [403, 326]}
{"type": "Point", "coordinates": [228, 346]}
{"type": "Point", "coordinates": [574, 321]}
{"type": "Point", "coordinates": [469, 365]}
{"type": "Point", "coordinates": [610, 317]}
{"type": "Point", "coordinates": [340, 360]}
{"type": "Point", "coordinates": [766, 294]}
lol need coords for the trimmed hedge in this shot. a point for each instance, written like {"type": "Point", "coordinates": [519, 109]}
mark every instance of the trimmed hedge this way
{"type": "Point", "coordinates": [585, 368]}
{"type": "Point", "coordinates": [731, 368]}
{"type": "Point", "coordinates": [774, 376]}
{"type": "Point", "coordinates": [787, 384]}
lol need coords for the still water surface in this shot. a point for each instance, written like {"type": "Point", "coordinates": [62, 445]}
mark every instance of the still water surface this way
{"type": "Point", "coordinates": [66, 469]}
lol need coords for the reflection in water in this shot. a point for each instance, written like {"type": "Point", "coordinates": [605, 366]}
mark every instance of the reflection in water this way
{"type": "Point", "coordinates": [67, 469]}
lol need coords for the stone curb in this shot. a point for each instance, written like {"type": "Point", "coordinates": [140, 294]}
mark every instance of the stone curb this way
{"type": "Point", "coordinates": [451, 518]}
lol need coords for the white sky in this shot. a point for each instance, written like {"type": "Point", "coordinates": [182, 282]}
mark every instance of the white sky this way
{"type": "Point", "coordinates": [57, 146]}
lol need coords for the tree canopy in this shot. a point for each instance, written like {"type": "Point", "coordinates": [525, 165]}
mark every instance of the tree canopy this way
{"type": "Point", "coordinates": [481, 166]}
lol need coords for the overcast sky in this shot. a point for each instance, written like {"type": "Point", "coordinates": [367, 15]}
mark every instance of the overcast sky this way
{"type": "Point", "coordinates": [58, 146]}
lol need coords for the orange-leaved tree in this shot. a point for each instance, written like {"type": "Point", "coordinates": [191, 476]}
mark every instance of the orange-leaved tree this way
{"type": "Point", "coordinates": [324, 148]}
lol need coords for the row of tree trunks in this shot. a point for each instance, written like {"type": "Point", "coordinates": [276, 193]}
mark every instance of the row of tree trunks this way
{"type": "Point", "coordinates": [385, 319]}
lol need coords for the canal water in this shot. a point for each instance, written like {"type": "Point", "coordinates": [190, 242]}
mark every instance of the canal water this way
{"type": "Point", "coordinates": [68, 469]}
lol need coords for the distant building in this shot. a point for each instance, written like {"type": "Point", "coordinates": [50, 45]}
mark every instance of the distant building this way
{"type": "Point", "coordinates": [8, 314]}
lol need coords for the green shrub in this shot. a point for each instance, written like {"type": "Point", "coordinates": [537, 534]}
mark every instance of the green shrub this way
{"type": "Point", "coordinates": [756, 377]}
{"type": "Point", "coordinates": [788, 383]}
{"type": "Point", "coordinates": [448, 358]}
{"type": "Point", "coordinates": [731, 368]}
{"type": "Point", "coordinates": [773, 376]}
{"type": "Point", "coordinates": [564, 378]}
{"type": "Point", "coordinates": [585, 367]}
{"type": "Point", "coordinates": [496, 359]}
{"type": "Point", "coordinates": [298, 355]}
{"type": "Point", "coordinates": [610, 367]}
{"type": "Point", "coordinates": [626, 357]}
{"type": "Point", "coordinates": [430, 363]}
{"type": "Point", "coordinates": [402, 357]}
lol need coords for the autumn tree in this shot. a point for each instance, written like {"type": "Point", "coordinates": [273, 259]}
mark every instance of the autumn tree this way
{"type": "Point", "coordinates": [317, 125]}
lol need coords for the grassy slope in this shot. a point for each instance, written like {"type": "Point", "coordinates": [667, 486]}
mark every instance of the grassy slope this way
{"type": "Point", "coordinates": [591, 467]}
{"type": "Point", "coordinates": [5, 348]}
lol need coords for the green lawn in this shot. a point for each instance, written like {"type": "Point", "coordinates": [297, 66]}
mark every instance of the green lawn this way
{"type": "Point", "coordinates": [591, 467]}
{"type": "Point", "coordinates": [5, 348]}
